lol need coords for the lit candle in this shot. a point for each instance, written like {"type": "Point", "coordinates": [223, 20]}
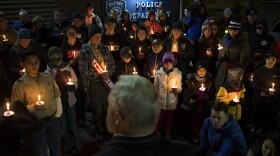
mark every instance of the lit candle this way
{"type": "Point", "coordinates": [8, 112]}
{"type": "Point", "coordinates": [134, 71]}
{"type": "Point", "coordinates": [152, 32]}
{"type": "Point", "coordinates": [70, 82]}
{"type": "Point", "coordinates": [174, 87]}
{"type": "Point", "coordinates": [8, 106]}
{"type": "Point", "coordinates": [226, 31]}
{"type": "Point", "coordinates": [131, 37]}
{"type": "Point", "coordinates": [5, 39]}
{"type": "Point", "coordinates": [139, 50]}
{"type": "Point", "coordinates": [105, 69]}
{"type": "Point", "coordinates": [165, 29]}
{"type": "Point", "coordinates": [74, 54]}
{"type": "Point", "coordinates": [124, 28]}
{"type": "Point", "coordinates": [202, 88]}
{"type": "Point", "coordinates": [39, 102]}
{"type": "Point", "coordinates": [236, 99]}
{"type": "Point", "coordinates": [154, 72]}
{"type": "Point", "coordinates": [272, 90]}
{"type": "Point", "coordinates": [220, 47]}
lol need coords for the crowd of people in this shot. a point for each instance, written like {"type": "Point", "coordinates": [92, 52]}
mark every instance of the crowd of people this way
{"type": "Point", "coordinates": [224, 72]}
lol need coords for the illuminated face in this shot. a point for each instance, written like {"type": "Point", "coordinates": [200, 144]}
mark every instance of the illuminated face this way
{"type": "Point", "coordinates": [270, 62]}
{"type": "Point", "coordinates": [71, 34]}
{"type": "Point", "coordinates": [31, 64]}
{"type": "Point", "coordinates": [207, 32]}
{"type": "Point", "coordinates": [201, 72]}
{"type": "Point", "coordinates": [126, 60]}
{"type": "Point", "coordinates": [24, 42]}
{"type": "Point", "coordinates": [233, 32]}
{"type": "Point", "coordinates": [269, 148]}
{"type": "Point", "coordinates": [89, 10]}
{"type": "Point", "coordinates": [168, 65]}
{"type": "Point", "coordinates": [176, 33]}
{"type": "Point", "coordinates": [141, 35]}
{"type": "Point", "coordinates": [218, 118]}
{"type": "Point", "coordinates": [152, 17]}
{"type": "Point", "coordinates": [134, 27]}
{"type": "Point", "coordinates": [157, 48]}
{"type": "Point", "coordinates": [96, 39]}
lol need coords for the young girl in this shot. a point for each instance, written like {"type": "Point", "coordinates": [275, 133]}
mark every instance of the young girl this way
{"type": "Point", "coordinates": [168, 82]}
{"type": "Point", "coordinates": [201, 90]}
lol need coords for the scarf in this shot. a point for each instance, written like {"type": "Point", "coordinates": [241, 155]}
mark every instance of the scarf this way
{"type": "Point", "coordinates": [198, 78]}
{"type": "Point", "coordinates": [96, 51]}
{"type": "Point", "coordinates": [167, 72]}
{"type": "Point", "coordinates": [232, 41]}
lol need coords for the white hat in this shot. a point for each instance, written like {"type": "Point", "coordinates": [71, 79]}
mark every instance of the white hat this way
{"type": "Point", "coordinates": [23, 12]}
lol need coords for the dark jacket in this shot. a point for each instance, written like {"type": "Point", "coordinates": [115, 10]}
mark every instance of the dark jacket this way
{"type": "Point", "coordinates": [226, 141]}
{"type": "Point", "coordinates": [124, 69]}
{"type": "Point", "coordinates": [150, 145]}
{"type": "Point", "coordinates": [153, 62]}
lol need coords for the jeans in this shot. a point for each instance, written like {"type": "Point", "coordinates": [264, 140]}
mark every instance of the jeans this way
{"type": "Point", "coordinates": [48, 137]}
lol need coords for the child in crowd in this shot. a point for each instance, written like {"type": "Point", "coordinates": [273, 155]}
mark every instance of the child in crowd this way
{"type": "Point", "coordinates": [266, 90]}
{"type": "Point", "coordinates": [154, 60]}
{"type": "Point", "coordinates": [127, 66]}
{"type": "Point", "coordinates": [232, 92]}
{"type": "Point", "coordinates": [201, 90]}
{"type": "Point", "coordinates": [66, 81]}
{"type": "Point", "coordinates": [168, 82]}
{"type": "Point", "coordinates": [40, 94]}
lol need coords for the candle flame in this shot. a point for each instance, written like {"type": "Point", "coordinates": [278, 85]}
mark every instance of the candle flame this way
{"type": "Point", "coordinates": [154, 72]}
{"type": "Point", "coordinates": [139, 49]}
{"type": "Point", "coordinates": [4, 37]}
{"type": "Point", "coordinates": [70, 80]}
{"type": "Point", "coordinates": [39, 97]}
{"type": "Point", "coordinates": [134, 69]}
{"type": "Point", "coordinates": [202, 85]}
{"type": "Point", "coordinates": [74, 53]}
{"type": "Point", "coordinates": [273, 85]}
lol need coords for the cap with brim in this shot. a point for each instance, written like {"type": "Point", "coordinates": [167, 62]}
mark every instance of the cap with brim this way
{"type": "Point", "coordinates": [90, 5]}
{"type": "Point", "coordinates": [110, 20]}
{"type": "Point", "coordinates": [157, 42]}
{"type": "Point", "coordinates": [270, 54]}
{"type": "Point", "coordinates": [227, 11]}
{"type": "Point", "coordinates": [126, 52]}
{"type": "Point", "coordinates": [23, 33]}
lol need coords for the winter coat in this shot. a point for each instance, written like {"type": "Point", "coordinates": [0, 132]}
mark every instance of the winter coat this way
{"type": "Point", "coordinates": [226, 94]}
{"type": "Point", "coordinates": [194, 27]}
{"type": "Point", "coordinates": [116, 40]}
{"type": "Point", "coordinates": [66, 73]}
{"type": "Point", "coordinates": [260, 43]}
{"type": "Point", "coordinates": [235, 51]}
{"type": "Point", "coordinates": [164, 83]}
{"type": "Point", "coordinates": [124, 69]}
{"type": "Point", "coordinates": [226, 141]}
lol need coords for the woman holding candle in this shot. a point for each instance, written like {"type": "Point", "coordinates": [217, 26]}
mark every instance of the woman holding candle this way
{"type": "Point", "coordinates": [168, 81]}
{"type": "Point", "coordinates": [153, 25]}
{"type": "Point", "coordinates": [266, 89]}
{"type": "Point", "coordinates": [201, 92]}
{"type": "Point", "coordinates": [66, 80]}
{"type": "Point", "coordinates": [232, 92]}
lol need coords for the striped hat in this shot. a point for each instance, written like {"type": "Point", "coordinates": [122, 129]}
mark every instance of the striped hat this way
{"type": "Point", "coordinates": [234, 25]}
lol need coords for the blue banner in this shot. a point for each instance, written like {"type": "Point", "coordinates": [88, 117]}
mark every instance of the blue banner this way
{"type": "Point", "coordinates": [137, 9]}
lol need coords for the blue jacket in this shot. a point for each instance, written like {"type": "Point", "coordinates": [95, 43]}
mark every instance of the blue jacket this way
{"type": "Point", "coordinates": [228, 140]}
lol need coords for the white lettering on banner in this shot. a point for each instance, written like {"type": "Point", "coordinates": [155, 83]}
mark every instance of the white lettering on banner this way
{"type": "Point", "coordinates": [147, 4]}
{"type": "Point", "coordinates": [116, 3]}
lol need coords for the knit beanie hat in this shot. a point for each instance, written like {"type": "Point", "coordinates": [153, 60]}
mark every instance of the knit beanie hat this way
{"type": "Point", "coordinates": [54, 50]}
{"type": "Point", "coordinates": [94, 29]}
{"type": "Point", "coordinates": [23, 33]}
{"type": "Point", "coordinates": [234, 24]}
{"type": "Point", "coordinates": [89, 5]}
{"type": "Point", "coordinates": [201, 64]}
{"type": "Point", "coordinates": [269, 54]}
{"type": "Point", "coordinates": [168, 57]}
{"type": "Point", "coordinates": [206, 23]}
{"type": "Point", "coordinates": [262, 23]}
{"type": "Point", "coordinates": [178, 25]}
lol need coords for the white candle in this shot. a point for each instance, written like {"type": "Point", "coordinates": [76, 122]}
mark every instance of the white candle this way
{"type": "Point", "coordinates": [39, 102]}
{"type": "Point", "coordinates": [139, 49]}
{"type": "Point", "coordinates": [134, 71]}
{"type": "Point", "coordinates": [131, 36]}
{"type": "Point", "coordinates": [202, 88]}
{"type": "Point", "coordinates": [39, 97]}
{"type": "Point", "coordinates": [152, 32]}
{"type": "Point", "coordinates": [8, 106]}
{"type": "Point", "coordinates": [226, 31]}
{"type": "Point", "coordinates": [124, 28]}
{"type": "Point", "coordinates": [105, 69]}
{"type": "Point", "coordinates": [5, 39]}
{"type": "Point", "coordinates": [272, 90]}
{"type": "Point", "coordinates": [154, 72]}
{"type": "Point", "coordinates": [74, 53]}
{"type": "Point", "coordinates": [220, 47]}
{"type": "Point", "coordinates": [165, 29]}
{"type": "Point", "coordinates": [70, 82]}
{"type": "Point", "coordinates": [174, 85]}
{"type": "Point", "coordinates": [236, 99]}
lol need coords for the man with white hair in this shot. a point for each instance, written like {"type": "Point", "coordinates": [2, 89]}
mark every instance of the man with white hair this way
{"type": "Point", "coordinates": [132, 117]}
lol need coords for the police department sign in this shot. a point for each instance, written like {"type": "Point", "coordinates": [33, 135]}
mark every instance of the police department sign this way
{"type": "Point", "coordinates": [117, 5]}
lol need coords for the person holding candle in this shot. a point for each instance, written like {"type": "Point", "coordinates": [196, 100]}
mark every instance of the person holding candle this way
{"type": "Point", "coordinates": [141, 48]}
{"type": "Point", "coordinates": [132, 34]}
{"type": "Point", "coordinates": [154, 60]}
{"type": "Point", "coordinates": [235, 51]}
{"type": "Point", "coordinates": [232, 92]}
{"type": "Point", "coordinates": [80, 27]}
{"type": "Point", "coordinates": [90, 17]}
{"type": "Point", "coordinates": [26, 90]}
{"type": "Point", "coordinates": [168, 82]}
{"type": "Point", "coordinates": [264, 100]}
{"type": "Point", "coordinates": [94, 86]}
{"type": "Point", "coordinates": [127, 66]}
{"type": "Point", "coordinates": [125, 22]}
{"type": "Point", "coordinates": [66, 81]}
{"type": "Point", "coordinates": [164, 23]}
{"type": "Point", "coordinates": [153, 25]}
{"type": "Point", "coordinates": [200, 91]}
